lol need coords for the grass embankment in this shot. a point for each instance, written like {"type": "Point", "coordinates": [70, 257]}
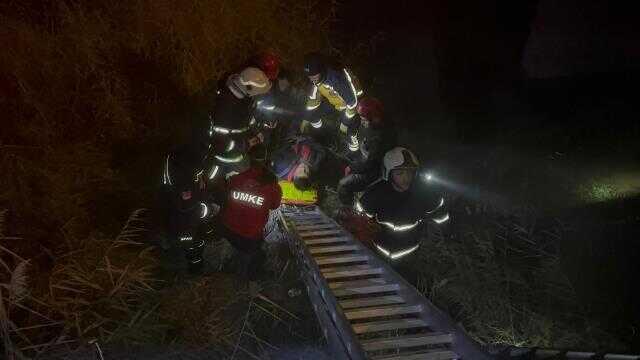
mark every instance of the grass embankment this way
{"type": "Point", "coordinates": [92, 95]}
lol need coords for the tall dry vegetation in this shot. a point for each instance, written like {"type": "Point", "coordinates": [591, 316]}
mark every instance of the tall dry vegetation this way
{"type": "Point", "coordinates": [84, 85]}
{"type": "Point", "coordinates": [501, 277]}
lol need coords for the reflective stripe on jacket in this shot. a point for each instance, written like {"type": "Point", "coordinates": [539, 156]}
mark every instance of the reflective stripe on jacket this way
{"type": "Point", "coordinates": [340, 88]}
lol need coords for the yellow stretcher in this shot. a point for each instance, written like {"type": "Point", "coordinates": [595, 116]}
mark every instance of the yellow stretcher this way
{"type": "Point", "coordinates": [291, 195]}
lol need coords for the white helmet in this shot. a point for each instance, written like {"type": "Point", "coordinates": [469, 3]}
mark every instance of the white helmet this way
{"type": "Point", "coordinates": [249, 82]}
{"type": "Point", "coordinates": [398, 158]}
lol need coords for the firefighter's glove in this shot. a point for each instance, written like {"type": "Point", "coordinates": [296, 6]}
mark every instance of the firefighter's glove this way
{"type": "Point", "coordinates": [258, 139]}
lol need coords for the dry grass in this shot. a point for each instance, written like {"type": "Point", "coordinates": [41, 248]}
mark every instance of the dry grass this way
{"type": "Point", "coordinates": [501, 277]}
{"type": "Point", "coordinates": [99, 285]}
{"type": "Point", "coordinates": [96, 289]}
{"type": "Point", "coordinates": [203, 312]}
{"type": "Point", "coordinates": [216, 311]}
{"type": "Point", "coordinates": [81, 81]}
{"type": "Point", "coordinates": [21, 314]}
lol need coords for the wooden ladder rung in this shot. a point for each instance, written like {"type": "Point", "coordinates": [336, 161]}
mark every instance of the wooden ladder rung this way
{"type": "Point", "coordinates": [406, 341]}
{"type": "Point", "coordinates": [351, 272]}
{"type": "Point", "coordinates": [371, 301]}
{"type": "Point", "coordinates": [333, 249]}
{"type": "Point", "coordinates": [309, 234]}
{"type": "Point", "coordinates": [307, 223]}
{"type": "Point", "coordinates": [328, 260]}
{"type": "Point", "coordinates": [356, 283]}
{"type": "Point", "coordinates": [316, 227]}
{"type": "Point", "coordinates": [374, 326]}
{"type": "Point", "coordinates": [310, 222]}
{"type": "Point", "coordinates": [329, 240]}
{"type": "Point", "coordinates": [382, 311]}
{"type": "Point", "coordinates": [366, 290]}
{"type": "Point", "coordinates": [437, 354]}
{"type": "Point", "coordinates": [345, 268]}
{"type": "Point", "coordinates": [304, 216]}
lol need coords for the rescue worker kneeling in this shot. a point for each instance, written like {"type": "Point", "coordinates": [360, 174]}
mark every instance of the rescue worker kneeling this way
{"type": "Point", "coordinates": [185, 207]}
{"type": "Point", "coordinates": [402, 202]}
{"type": "Point", "coordinates": [366, 148]}
{"type": "Point", "coordinates": [249, 197]}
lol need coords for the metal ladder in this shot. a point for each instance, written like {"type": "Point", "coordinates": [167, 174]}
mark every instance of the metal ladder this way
{"type": "Point", "coordinates": [365, 309]}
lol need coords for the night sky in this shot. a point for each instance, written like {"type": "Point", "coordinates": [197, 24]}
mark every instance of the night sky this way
{"type": "Point", "coordinates": [547, 38]}
{"type": "Point", "coordinates": [470, 59]}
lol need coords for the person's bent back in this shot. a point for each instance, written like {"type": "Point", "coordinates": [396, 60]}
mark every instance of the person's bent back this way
{"type": "Point", "coordinates": [250, 196]}
{"type": "Point", "coordinates": [367, 145]}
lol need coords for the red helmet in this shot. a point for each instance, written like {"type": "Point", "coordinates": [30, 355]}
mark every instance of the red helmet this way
{"type": "Point", "coordinates": [269, 63]}
{"type": "Point", "coordinates": [371, 109]}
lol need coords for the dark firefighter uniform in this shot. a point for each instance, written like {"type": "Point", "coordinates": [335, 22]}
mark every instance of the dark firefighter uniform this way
{"type": "Point", "coordinates": [231, 120]}
{"type": "Point", "coordinates": [250, 196]}
{"type": "Point", "coordinates": [225, 156]}
{"type": "Point", "coordinates": [185, 205]}
{"type": "Point", "coordinates": [341, 90]}
{"type": "Point", "coordinates": [402, 215]}
{"type": "Point", "coordinates": [366, 147]}
{"type": "Point", "coordinates": [274, 110]}
{"type": "Point", "coordinates": [283, 103]}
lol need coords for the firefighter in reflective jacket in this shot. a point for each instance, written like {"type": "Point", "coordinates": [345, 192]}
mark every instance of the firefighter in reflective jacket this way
{"type": "Point", "coordinates": [367, 144]}
{"type": "Point", "coordinates": [232, 120]}
{"type": "Point", "coordinates": [276, 110]}
{"type": "Point", "coordinates": [249, 197]}
{"type": "Point", "coordinates": [402, 201]}
{"type": "Point", "coordinates": [338, 86]}
{"type": "Point", "coordinates": [284, 101]}
{"type": "Point", "coordinates": [184, 204]}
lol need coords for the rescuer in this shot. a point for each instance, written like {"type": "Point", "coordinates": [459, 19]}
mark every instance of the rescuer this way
{"type": "Point", "coordinates": [248, 198]}
{"type": "Point", "coordinates": [367, 144]}
{"type": "Point", "coordinates": [283, 104]}
{"type": "Point", "coordinates": [338, 86]}
{"type": "Point", "coordinates": [232, 121]}
{"type": "Point", "coordinates": [287, 100]}
{"type": "Point", "coordinates": [185, 204]}
{"type": "Point", "coordinates": [402, 202]}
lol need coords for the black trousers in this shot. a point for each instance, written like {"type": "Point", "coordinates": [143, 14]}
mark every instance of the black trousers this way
{"type": "Point", "coordinates": [186, 230]}
{"type": "Point", "coordinates": [251, 255]}
{"type": "Point", "coordinates": [408, 266]}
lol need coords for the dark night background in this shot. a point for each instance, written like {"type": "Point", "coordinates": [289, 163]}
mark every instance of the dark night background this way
{"type": "Point", "coordinates": [525, 80]}
{"type": "Point", "coordinates": [466, 57]}
{"type": "Point", "coordinates": [525, 106]}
